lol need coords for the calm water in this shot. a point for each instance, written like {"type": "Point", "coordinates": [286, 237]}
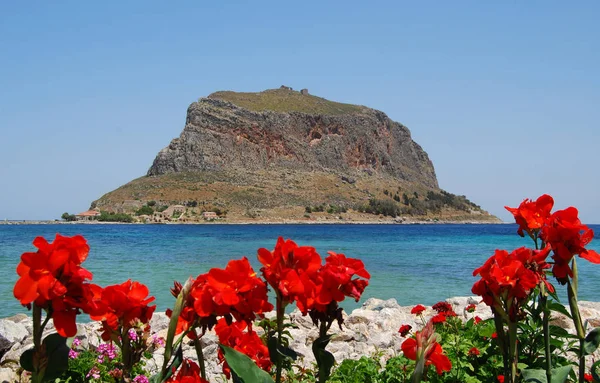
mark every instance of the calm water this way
{"type": "Point", "coordinates": [412, 263]}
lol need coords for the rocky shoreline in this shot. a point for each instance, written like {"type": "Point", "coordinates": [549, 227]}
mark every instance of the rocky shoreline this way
{"type": "Point", "coordinates": [369, 330]}
{"type": "Point", "coordinates": [254, 222]}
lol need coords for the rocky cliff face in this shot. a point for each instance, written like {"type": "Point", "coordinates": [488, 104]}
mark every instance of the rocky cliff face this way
{"type": "Point", "coordinates": [219, 135]}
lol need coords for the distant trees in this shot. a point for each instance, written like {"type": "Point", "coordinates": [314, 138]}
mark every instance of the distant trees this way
{"type": "Point", "coordinates": [68, 217]}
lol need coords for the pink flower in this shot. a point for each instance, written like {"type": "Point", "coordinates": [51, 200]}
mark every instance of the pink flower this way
{"type": "Point", "coordinates": [140, 379]}
{"type": "Point", "coordinates": [73, 354]}
{"type": "Point", "coordinates": [76, 342]}
{"type": "Point", "coordinates": [132, 334]}
{"type": "Point", "coordinates": [94, 373]}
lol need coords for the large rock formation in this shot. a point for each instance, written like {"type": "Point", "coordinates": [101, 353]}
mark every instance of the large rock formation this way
{"type": "Point", "coordinates": [287, 156]}
{"type": "Point", "coordinates": [219, 135]}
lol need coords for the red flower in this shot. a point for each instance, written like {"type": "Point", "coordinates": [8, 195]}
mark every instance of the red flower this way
{"type": "Point", "coordinates": [236, 290]}
{"type": "Point", "coordinates": [500, 378]}
{"type": "Point", "coordinates": [474, 351]}
{"type": "Point", "coordinates": [188, 373]}
{"type": "Point", "coordinates": [531, 215]}
{"type": "Point", "coordinates": [567, 237]}
{"type": "Point", "coordinates": [290, 269]}
{"type": "Point", "coordinates": [53, 279]}
{"type": "Point", "coordinates": [442, 307]}
{"type": "Point", "coordinates": [248, 343]}
{"type": "Point", "coordinates": [405, 329]}
{"type": "Point", "coordinates": [333, 282]}
{"type": "Point", "coordinates": [441, 317]}
{"type": "Point", "coordinates": [417, 310]}
{"type": "Point", "coordinates": [588, 377]}
{"type": "Point", "coordinates": [476, 320]}
{"type": "Point", "coordinates": [506, 277]}
{"type": "Point", "coordinates": [424, 345]}
{"type": "Point", "coordinates": [471, 308]}
{"type": "Point", "coordinates": [120, 307]}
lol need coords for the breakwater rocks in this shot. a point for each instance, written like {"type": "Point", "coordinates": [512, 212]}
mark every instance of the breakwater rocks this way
{"type": "Point", "coordinates": [369, 330]}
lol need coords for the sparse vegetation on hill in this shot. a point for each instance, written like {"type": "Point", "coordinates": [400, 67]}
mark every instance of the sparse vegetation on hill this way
{"type": "Point", "coordinates": [283, 100]}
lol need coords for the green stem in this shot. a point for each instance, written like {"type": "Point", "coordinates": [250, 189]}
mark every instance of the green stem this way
{"type": "Point", "coordinates": [280, 314]}
{"type": "Point", "coordinates": [38, 357]}
{"type": "Point", "coordinates": [502, 341]}
{"type": "Point", "coordinates": [126, 354]}
{"type": "Point", "coordinates": [512, 338]}
{"type": "Point", "coordinates": [322, 334]}
{"type": "Point", "coordinates": [200, 355]}
{"type": "Point", "coordinates": [546, 328]}
{"type": "Point", "coordinates": [572, 295]}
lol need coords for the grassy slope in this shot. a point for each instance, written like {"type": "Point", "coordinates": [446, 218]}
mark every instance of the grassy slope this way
{"type": "Point", "coordinates": [270, 195]}
{"type": "Point", "coordinates": [283, 100]}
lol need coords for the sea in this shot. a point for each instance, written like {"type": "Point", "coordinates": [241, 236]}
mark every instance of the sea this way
{"type": "Point", "coordinates": [410, 263]}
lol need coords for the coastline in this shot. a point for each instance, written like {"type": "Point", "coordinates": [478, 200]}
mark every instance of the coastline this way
{"type": "Point", "coordinates": [270, 222]}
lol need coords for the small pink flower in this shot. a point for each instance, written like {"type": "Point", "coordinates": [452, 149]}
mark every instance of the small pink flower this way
{"type": "Point", "coordinates": [132, 334]}
{"type": "Point", "coordinates": [140, 379]}
{"type": "Point", "coordinates": [94, 373]}
{"type": "Point", "coordinates": [76, 342]}
{"type": "Point", "coordinates": [158, 341]}
{"type": "Point", "coordinates": [73, 354]}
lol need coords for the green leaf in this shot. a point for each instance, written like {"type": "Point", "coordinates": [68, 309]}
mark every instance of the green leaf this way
{"type": "Point", "coordinates": [594, 370]}
{"type": "Point", "coordinates": [325, 359]}
{"type": "Point", "coordinates": [177, 360]}
{"type": "Point", "coordinates": [26, 360]}
{"type": "Point", "coordinates": [554, 306]}
{"type": "Point", "coordinates": [57, 352]}
{"type": "Point", "coordinates": [283, 350]}
{"type": "Point", "coordinates": [534, 376]}
{"type": "Point", "coordinates": [591, 342]}
{"type": "Point", "coordinates": [560, 374]}
{"type": "Point", "coordinates": [244, 367]}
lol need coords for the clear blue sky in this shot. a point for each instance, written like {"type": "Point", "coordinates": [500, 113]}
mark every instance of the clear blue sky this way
{"type": "Point", "coordinates": [503, 96]}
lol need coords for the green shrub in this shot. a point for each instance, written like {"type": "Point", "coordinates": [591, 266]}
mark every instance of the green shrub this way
{"type": "Point", "coordinates": [364, 370]}
{"type": "Point", "coordinates": [114, 217]}
{"type": "Point", "coordinates": [145, 210]}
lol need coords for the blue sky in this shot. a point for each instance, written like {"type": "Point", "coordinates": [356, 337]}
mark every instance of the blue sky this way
{"type": "Point", "coordinates": [503, 96]}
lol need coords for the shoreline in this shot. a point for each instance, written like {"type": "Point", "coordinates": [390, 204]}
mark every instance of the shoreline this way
{"type": "Point", "coordinates": [281, 222]}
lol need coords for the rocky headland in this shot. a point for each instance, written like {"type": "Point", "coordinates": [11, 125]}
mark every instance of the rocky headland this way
{"type": "Point", "coordinates": [369, 330]}
{"type": "Point", "coordinates": [281, 155]}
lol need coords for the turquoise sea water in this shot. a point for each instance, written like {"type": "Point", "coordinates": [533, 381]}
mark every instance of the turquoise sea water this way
{"type": "Point", "coordinates": [412, 263]}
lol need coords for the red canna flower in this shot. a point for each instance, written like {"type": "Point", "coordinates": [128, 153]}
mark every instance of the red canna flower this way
{"type": "Point", "coordinates": [120, 307]}
{"type": "Point", "coordinates": [567, 237]}
{"type": "Point", "coordinates": [334, 280]}
{"type": "Point", "coordinates": [532, 215]}
{"type": "Point", "coordinates": [425, 345]}
{"type": "Point", "coordinates": [188, 373]}
{"type": "Point", "coordinates": [290, 269]}
{"type": "Point", "coordinates": [405, 329]}
{"type": "Point", "coordinates": [417, 310]}
{"type": "Point", "coordinates": [53, 279]}
{"type": "Point", "coordinates": [506, 277]}
{"type": "Point", "coordinates": [247, 342]}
